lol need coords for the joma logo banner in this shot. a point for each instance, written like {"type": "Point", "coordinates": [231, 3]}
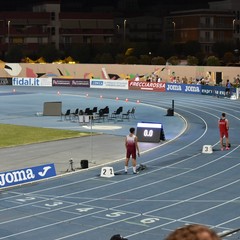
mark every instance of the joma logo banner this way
{"type": "Point", "coordinates": [25, 175]}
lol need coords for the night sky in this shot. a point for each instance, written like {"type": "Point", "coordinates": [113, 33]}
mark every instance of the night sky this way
{"type": "Point", "coordinates": [88, 5]}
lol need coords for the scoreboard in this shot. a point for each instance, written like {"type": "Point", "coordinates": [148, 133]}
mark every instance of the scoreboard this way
{"type": "Point", "coordinates": [149, 132]}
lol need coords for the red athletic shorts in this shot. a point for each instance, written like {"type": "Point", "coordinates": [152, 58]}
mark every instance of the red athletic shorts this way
{"type": "Point", "coordinates": [131, 152]}
{"type": "Point", "coordinates": [224, 134]}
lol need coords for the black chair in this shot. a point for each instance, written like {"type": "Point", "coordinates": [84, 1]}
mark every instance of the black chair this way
{"type": "Point", "coordinates": [120, 109]}
{"type": "Point", "coordinates": [98, 117]}
{"type": "Point", "coordinates": [80, 112]}
{"type": "Point", "coordinates": [86, 111]}
{"type": "Point", "coordinates": [67, 115]}
{"type": "Point", "coordinates": [117, 114]}
{"type": "Point", "coordinates": [75, 113]}
{"type": "Point", "coordinates": [132, 112]}
{"type": "Point", "coordinates": [94, 110]}
{"type": "Point", "coordinates": [126, 115]}
{"type": "Point", "coordinates": [105, 112]}
{"type": "Point", "coordinates": [89, 112]}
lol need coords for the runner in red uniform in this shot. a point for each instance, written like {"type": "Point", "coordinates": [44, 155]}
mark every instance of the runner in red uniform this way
{"type": "Point", "coordinates": [131, 144]}
{"type": "Point", "coordinates": [223, 128]}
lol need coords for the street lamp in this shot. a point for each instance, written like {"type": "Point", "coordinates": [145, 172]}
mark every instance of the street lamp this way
{"type": "Point", "coordinates": [118, 28]}
{"type": "Point", "coordinates": [124, 30]}
{"type": "Point", "coordinates": [9, 24]}
{"type": "Point", "coordinates": [233, 24]}
{"type": "Point", "coordinates": [174, 27]}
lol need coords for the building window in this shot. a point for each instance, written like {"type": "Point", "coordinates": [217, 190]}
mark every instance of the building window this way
{"type": "Point", "coordinates": [53, 31]}
{"type": "Point", "coordinates": [207, 49]}
{"type": "Point", "coordinates": [87, 39]}
{"type": "Point", "coordinates": [108, 39]}
{"type": "Point", "coordinates": [207, 36]}
{"type": "Point", "coordinates": [207, 21]}
{"type": "Point", "coordinates": [18, 40]}
{"type": "Point", "coordinates": [53, 16]}
{"type": "Point", "coordinates": [67, 40]}
{"type": "Point", "coordinates": [40, 40]}
{"type": "Point", "coordinates": [221, 36]}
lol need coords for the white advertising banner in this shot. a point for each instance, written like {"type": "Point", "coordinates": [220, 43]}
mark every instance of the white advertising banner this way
{"type": "Point", "coordinates": [109, 84]}
{"type": "Point", "coordinates": [34, 82]}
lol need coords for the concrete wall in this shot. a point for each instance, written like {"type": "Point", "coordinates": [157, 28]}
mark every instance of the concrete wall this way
{"type": "Point", "coordinates": [103, 71]}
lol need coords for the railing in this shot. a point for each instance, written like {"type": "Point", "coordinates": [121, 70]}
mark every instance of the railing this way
{"type": "Point", "coordinates": [215, 25]}
{"type": "Point", "coordinates": [207, 40]}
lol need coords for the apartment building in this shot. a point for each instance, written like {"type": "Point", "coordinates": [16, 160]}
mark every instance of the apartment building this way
{"type": "Point", "coordinates": [234, 7]}
{"type": "Point", "coordinates": [46, 24]}
{"type": "Point", "coordinates": [203, 25]}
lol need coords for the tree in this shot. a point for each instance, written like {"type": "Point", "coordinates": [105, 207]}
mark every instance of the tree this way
{"type": "Point", "coordinates": [192, 61]}
{"type": "Point", "coordinates": [158, 61]}
{"type": "Point", "coordinates": [228, 58]}
{"type": "Point", "coordinates": [120, 58]}
{"type": "Point", "coordinates": [145, 59]}
{"type": "Point", "coordinates": [173, 60]}
{"type": "Point", "coordinates": [131, 60]}
{"type": "Point", "coordinates": [201, 58]}
{"type": "Point", "coordinates": [106, 58]}
{"type": "Point", "coordinates": [213, 61]}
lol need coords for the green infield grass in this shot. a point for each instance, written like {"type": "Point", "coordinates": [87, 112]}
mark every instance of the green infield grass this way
{"type": "Point", "coordinates": [14, 135]}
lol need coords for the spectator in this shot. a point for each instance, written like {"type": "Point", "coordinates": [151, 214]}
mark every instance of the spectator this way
{"type": "Point", "coordinates": [228, 89]}
{"type": "Point", "coordinates": [148, 79]}
{"type": "Point", "coordinates": [193, 232]}
{"type": "Point", "coordinates": [137, 78]}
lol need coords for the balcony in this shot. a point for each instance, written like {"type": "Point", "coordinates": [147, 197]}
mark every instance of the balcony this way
{"type": "Point", "coordinates": [225, 26]}
{"type": "Point", "coordinates": [206, 40]}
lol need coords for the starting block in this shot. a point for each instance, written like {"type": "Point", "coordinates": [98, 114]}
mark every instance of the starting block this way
{"type": "Point", "coordinates": [107, 172]}
{"type": "Point", "coordinates": [207, 149]}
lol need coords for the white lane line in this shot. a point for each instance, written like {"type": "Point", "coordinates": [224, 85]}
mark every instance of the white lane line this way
{"type": "Point", "coordinates": [81, 231]}
{"type": "Point", "coordinates": [50, 225]}
{"type": "Point", "coordinates": [226, 222]}
{"type": "Point", "coordinates": [104, 218]}
{"type": "Point", "coordinates": [145, 185]}
{"type": "Point", "coordinates": [176, 151]}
